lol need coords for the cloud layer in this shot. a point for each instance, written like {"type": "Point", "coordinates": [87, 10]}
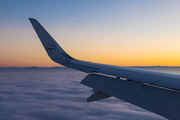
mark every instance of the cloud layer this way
{"type": "Point", "coordinates": [58, 95]}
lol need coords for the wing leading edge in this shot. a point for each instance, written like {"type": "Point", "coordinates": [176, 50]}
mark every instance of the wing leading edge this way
{"type": "Point", "coordinates": [155, 91]}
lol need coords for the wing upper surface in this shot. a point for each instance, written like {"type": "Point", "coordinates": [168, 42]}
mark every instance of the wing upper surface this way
{"type": "Point", "coordinates": [164, 79]}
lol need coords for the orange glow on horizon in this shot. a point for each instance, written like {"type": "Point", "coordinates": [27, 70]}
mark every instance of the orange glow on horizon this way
{"type": "Point", "coordinates": [137, 60]}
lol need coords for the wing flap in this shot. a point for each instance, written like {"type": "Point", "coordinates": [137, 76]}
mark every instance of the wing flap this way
{"type": "Point", "coordinates": [97, 96]}
{"type": "Point", "coordinates": [152, 98]}
{"type": "Point", "coordinates": [103, 84]}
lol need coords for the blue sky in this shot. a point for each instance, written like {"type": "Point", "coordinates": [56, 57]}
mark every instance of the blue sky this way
{"type": "Point", "coordinates": [104, 31]}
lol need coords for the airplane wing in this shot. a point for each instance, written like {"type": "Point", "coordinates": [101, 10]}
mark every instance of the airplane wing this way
{"type": "Point", "coordinates": [158, 92]}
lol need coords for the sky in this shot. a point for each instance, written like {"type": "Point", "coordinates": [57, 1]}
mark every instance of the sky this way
{"type": "Point", "coordinates": [116, 32]}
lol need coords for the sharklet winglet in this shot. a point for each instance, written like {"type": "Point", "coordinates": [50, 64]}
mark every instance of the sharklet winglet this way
{"type": "Point", "coordinates": [55, 52]}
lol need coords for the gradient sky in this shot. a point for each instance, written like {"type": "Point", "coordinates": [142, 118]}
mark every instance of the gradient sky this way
{"type": "Point", "coordinates": [124, 33]}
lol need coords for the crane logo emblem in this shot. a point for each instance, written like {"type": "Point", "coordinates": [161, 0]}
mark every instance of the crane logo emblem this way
{"type": "Point", "coordinates": [51, 49]}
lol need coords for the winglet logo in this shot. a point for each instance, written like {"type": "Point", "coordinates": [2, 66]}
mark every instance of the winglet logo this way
{"type": "Point", "coordinates": [51, 49]}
